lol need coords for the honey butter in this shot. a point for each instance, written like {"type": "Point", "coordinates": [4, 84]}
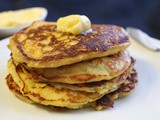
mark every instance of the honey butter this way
{"type": "Point", "coordinates": [20, 17]}
{"type": "Point", "coordinates": [75, 24]}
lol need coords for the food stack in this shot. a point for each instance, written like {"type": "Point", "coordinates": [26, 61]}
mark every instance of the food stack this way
{"type": "Point", "coordinates": [70, 71]}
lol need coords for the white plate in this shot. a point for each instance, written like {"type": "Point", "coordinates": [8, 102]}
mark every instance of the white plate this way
{"type": "Point", "coordinates": [143, 104]}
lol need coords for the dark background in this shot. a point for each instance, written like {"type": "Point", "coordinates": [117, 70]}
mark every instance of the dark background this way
{"type": "Point", "coordinates": [143, 14]}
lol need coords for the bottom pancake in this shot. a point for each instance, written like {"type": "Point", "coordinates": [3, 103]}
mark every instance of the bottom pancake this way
{"type": "Point", "coordinates": [106, 101]}
{"type": "Point", "coordinates": [46, 94]}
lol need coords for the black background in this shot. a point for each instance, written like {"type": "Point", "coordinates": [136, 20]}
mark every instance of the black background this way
{"type": "Point", "coordinates": [143, 14]}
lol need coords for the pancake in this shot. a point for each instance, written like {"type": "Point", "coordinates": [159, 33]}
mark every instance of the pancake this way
{"type": "Point", "coordinates": [104, 102]}
{"type": "Point", "coordinates": [127, 87]}
{"type": "Point", "coordinates": [14, 88]}
{"type": "Point", "coordinates": [46, 94]}
{"type": "Point", "coordinates": [101, 87]}
{"type": "Point", "coordinates": [105, 68]}
{"type": "Point", "coordinates": [41, 45]}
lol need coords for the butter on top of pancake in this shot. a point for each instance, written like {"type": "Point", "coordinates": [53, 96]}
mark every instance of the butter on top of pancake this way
{"type": "Point", "coordinates": [75, 24]}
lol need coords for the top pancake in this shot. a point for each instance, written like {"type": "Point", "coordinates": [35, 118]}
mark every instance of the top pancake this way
{"type": "Point", "coordinates": [41, 45]}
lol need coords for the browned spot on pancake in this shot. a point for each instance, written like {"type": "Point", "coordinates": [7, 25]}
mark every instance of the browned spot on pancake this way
{"type": "Point", "coordinates": [105, 102]}
{"type": "Point", "coordinates": [92, 84]}
{"type": "Point", "coordinates": [59, 108]}
{"type": "Point", "coordinates": [9, 82]}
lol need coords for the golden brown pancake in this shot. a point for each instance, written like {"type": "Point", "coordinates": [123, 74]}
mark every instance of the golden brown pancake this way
{"type": "Point", "coordinates": [46, 94]}
{"type": "Point", "coordinates": [105, 68]}
{"type": "Point", "coordinates": [104, 102]}
{"type": "Point", "coordinates": [41, 45]}
{"type": "Point", "coordinates": [101, 87]}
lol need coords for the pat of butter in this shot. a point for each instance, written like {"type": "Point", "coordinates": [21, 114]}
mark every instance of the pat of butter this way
{"type": "Point", "coordinates": [20, 17]}
{"type": "Point", "coordinates": [75, 24]}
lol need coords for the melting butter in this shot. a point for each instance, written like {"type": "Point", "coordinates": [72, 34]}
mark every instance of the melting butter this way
{"type": "Point", "coordinates": [75, 24]}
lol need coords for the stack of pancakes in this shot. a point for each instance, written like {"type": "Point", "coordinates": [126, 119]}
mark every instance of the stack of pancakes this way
{"type": "Point", "coordinates": [63, 70]}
